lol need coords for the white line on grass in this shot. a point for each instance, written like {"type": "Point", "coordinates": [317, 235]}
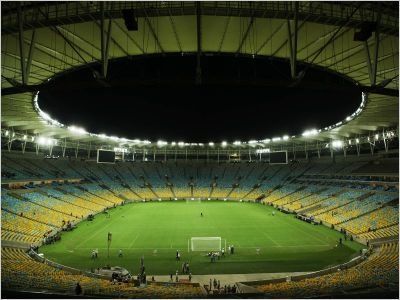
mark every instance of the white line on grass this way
{"type": "Point", "coordinates": [96, 233]}
{"type": "Point", "coordinates": [134, 240]}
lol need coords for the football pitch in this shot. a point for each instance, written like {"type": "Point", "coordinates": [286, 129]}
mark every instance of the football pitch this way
{"type": "Point", "coordinates": [263, 242]}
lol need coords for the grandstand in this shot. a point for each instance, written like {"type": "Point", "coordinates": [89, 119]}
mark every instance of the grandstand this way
{"type": "Point", "coordinates": [309, 215]}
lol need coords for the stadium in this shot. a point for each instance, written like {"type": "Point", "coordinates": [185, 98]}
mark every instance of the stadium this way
{"type": "Point", "coordinates": [87, 213]}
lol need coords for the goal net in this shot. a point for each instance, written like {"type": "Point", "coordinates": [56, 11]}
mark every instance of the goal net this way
{"type": "Point", "coordinates": [205, 243]}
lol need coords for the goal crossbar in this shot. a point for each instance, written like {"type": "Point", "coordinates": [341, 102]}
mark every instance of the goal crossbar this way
{"type": "Point", "coordinates": [205, 243]}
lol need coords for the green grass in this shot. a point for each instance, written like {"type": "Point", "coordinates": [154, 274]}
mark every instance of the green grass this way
{"type": "Point", "coordinates": [286, 244]}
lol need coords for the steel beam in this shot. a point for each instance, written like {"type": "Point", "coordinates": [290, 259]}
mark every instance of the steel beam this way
{"type": "Point", "coordinates": [21, 43]}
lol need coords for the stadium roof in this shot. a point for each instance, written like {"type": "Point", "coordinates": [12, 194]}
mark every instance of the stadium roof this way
{"type": "Point", "coordinates": [63, 36]}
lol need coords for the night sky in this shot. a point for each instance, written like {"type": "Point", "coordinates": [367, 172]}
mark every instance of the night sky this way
{"type": "Point", "coordinates": [155, 97]}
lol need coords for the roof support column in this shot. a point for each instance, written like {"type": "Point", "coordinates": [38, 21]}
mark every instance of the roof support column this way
{"type": "Point", "coordinates": [372, 145]}
{"type": "Point", "coordinates": [64, 146]}
{"type": "Point", "coordinates": [10, 140]}
{"type": "Point", "coordinates": [21, 43]}
{"type": "Point", "coordinates": [318, 150]}
{"type": "Point", "coordinates": [358, 146]}
{"type": "Point", "coordinates": [77, 150]}
{"type": "Point", "coordinates": [385, 141]}
{"type": "Point", "coordinates": [23, 146]}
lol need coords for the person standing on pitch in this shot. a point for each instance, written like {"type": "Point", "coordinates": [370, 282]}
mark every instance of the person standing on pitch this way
{"type": "Point", "coordinates": [120, 253]}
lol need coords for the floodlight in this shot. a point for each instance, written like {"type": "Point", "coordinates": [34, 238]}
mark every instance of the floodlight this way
{"type": "Point", "coordinates": [266, 140]}
{"type": "Point", "coordinates": [77, 130]}
{"type": "Point", "coordinates": [237, 143]}
{"type": "Point", "coordinates": [176, 199]}
{"type": "Point", "coordinates": [173, 143]}
{"type": "Point", "coordinates": [348, 118]}
{"type": "Point", "coordinates": [337, 144]}
{"type": "Point", "coordinates": [357, 141]}
{"type": "Point", "coordinates": [349, 142]}
{"type": "Point", "coordinates": [208, 199]}
{"type": "Point", "coordinates": [224, 144]}
{"type": "Point", "coordinates": [6, 133]}
{"type": "Point", "coordinates": [376, 136]}
{"type": "Point", "coordinates": [276, 139]}
{"type": "Point", "coordinates": [211, 144]}
{"type": "Point", "coordinates": [252, 142]}
{"type": "Point", "coordinates": [24, 137]}
{"type": "Point", "coordinates": [161, 143]}
{"type": "Point", "coordinates": [201, 144]}
{"type": "Point", "coordinates": [285, 137]}
{"type": "Point", "coordinates": [310, 132]}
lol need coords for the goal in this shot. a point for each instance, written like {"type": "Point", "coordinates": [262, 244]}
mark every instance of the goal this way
{"type": "Point", "coordinates": [205, 243]}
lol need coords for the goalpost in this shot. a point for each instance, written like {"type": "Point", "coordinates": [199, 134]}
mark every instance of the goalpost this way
{"type": "Point", "coordinates": [205, 244]}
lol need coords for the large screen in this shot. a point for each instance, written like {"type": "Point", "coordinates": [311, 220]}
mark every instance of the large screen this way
{"type": "Point", "coordinates": [105, 156]}
{"type": "Point", "coordinates": [279, 157]}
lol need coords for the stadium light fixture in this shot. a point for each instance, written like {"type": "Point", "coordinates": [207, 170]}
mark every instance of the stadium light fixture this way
{"type": "Point", "coordinates": [349, 142]}
{"type": "Point", "coordinates": [224, 144]}
{"type": "Point", "coordinates": [77, 130]}
{"type": "Point", "coordinates": [337, 144]}
{"type": "Point", "coordinates": [211, 144]}
{"type": "Point", "coordinates": [266, 141]}
{"type": "Point", "coordinates": [237, 143]}
{"type": "Point", "coordinates": [376, 136]}
{"type": "Point", "coordinates": [285, 137]}
{"type": "Point", "coordinates": [161, 143]}
{"type": "Point", "coordinates": [6, 133]}
{"type": "Point", "coordinates": [310, 132]}
{"type": "Point", "coordinates": [348, 118]}
{"type": "Point", "coordinates": [276, 139]}
{"type": "Point", "coordinates": [252, 142]}
{"type": "Point", "coordinates": [45, 141]}
{"type": "Point", "coordinates": [25, 137]}
{"type": "Point", "coordinates": [173, 143]}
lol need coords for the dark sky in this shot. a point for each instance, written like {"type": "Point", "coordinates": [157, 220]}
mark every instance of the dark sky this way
{"type": "Point", "coordinates": [239, 99]}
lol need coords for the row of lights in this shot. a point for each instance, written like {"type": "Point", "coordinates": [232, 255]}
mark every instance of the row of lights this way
{"type": "Point", "coordinates": [80, 131]}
